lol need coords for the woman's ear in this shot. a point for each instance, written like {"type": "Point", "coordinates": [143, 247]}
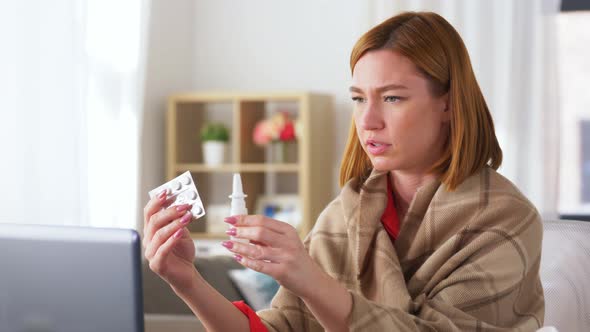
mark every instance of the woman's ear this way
{"type": "Point", "coordinates": [446, 107]}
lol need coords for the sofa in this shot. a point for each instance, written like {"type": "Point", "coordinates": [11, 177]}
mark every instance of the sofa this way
{"type": "Point", "coordinates": [164, 311]}
{"type": "Point", "coordinates": [158, 297]}
{"type": "Point", "coordinates": [565, 274]}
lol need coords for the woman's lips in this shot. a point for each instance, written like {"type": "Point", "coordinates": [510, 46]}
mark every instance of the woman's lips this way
{"type": "Point", "coordinates": [376, 148]}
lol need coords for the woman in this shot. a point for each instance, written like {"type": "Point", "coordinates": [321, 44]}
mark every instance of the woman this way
{"type": "Point", "coordinates": [424, 236]}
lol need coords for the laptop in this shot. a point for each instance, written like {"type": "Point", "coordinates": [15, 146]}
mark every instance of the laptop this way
{"type": "Point", "coordinates": [69, 279]}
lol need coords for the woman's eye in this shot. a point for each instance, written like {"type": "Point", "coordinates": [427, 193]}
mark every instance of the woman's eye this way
{"type": "Point", "coordinates": [358, 99]}
{"type": "Point", "coordinates": [391, 99]}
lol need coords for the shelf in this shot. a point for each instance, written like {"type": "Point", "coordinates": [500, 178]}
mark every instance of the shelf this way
{"type": "Point", "coordinates": [306, 172]}
{"type": "Point", "coordinates": [238, 168]}
{"type": "Point", "coordinates": [223, 236]}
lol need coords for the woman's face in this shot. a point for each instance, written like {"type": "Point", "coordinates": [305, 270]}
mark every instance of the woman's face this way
{"type": "Point", "coordinates": [399, 123]}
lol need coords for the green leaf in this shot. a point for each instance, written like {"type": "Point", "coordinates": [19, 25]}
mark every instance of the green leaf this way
{"type": "Point", "coordinates": [214, 132]}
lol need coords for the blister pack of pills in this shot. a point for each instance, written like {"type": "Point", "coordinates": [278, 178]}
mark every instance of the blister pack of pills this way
{"type": "Point", "coordinates": [182, 190]}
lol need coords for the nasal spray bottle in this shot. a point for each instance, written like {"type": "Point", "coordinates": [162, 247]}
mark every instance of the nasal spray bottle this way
{"type": "Point", "coordinates": [238, 203]}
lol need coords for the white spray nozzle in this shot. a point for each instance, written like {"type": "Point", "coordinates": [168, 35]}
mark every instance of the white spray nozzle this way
{"type": "Point", "coordinates": [237, 191]}
{"type": "Point", "coordinates": [238, 203]}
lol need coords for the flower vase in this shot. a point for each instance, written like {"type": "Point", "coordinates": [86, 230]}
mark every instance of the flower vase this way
{"type": "Point", "coordinates": [278, 152]}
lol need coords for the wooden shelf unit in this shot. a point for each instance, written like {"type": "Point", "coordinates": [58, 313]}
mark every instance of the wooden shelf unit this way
{"type": "Point", "coordinates": [239, 168]}
{"type": "Point", "coordinates": [311, 164]}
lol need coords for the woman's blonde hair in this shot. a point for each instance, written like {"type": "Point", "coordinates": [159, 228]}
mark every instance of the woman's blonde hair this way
{"type": "Point", "coordinates": [438, 52]}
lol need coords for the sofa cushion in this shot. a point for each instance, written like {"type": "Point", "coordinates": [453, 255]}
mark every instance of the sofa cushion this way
{"type": "Point", "coordinates": [565, 267]}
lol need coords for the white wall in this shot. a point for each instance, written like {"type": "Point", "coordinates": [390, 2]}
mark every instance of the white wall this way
{"type": "Point", "coordinates": [267, 45]}
{"type": "Point", "coordinates": [168, 70]}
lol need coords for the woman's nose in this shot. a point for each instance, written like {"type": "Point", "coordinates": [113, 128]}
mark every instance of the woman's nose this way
{"type": "Point", "coordinates": [371, 117]}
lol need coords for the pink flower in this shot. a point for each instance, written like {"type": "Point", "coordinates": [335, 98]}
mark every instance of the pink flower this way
{"type": "Point", "coordinates": [262, 134]}
{"type": "Point", "coordinates": [279, 127]}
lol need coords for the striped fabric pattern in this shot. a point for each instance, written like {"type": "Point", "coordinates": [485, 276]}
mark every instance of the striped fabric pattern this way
{"type": "Point", "coordinates": [466, 260]}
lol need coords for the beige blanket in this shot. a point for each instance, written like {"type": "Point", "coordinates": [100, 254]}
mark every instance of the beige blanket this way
{"type": "Point", "coordinates": [466, 260]}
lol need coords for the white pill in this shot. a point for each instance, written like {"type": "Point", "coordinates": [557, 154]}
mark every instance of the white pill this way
{"type": "Point", "coordinates": [192, 195]}
{"type": "Point", "coordinates": [197, 210]}
{"type": "Point", "coordinates": [176, 185]}
{"type": "Point", "coordinates": [186, 180]}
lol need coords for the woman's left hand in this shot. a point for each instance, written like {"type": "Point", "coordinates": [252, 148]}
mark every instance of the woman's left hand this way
{"type": "Point", "coordinates": [275, 249]}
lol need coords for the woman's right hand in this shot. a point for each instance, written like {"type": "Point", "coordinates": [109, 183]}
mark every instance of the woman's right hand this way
{"type": "Point", "coordinates": [171, 252]}
{"type": "Point", "coordinates": [167, 243]}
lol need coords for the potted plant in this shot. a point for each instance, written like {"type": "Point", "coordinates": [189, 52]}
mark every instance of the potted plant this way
{"type": "Point", "coordinates": [214, 137]}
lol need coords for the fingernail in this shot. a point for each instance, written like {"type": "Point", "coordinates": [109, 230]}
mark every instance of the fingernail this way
{"type": "Point", "coordinates": [231, 220]}
{"type": "Point", "coordinates": [232, 231]}
{"type": "Point", "coordinates": [227, 244]}
{"type": "Point", "coordinates": [179, 233]}
{"type": "Point", "coordinates": [163, 194]}
{"type": "Point", "coordinates": [183, 207]}
{"type": "Point", "coordinates": [186, 218]}
{"type": "Point", "coordinates": [238, 258]}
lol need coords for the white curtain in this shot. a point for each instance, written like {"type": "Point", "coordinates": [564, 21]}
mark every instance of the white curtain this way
{"type": "Point", "coordinates": [71, 90]}
{"type": "Point", "coordinates": [512, 49]}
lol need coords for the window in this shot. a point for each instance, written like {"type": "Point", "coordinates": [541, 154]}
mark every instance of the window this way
{"type": "Point", "coordinates": [574, 75]}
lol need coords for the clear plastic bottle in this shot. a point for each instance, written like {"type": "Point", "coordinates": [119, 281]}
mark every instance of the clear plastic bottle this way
{"type": "Point", "coordinates": [238, 202]}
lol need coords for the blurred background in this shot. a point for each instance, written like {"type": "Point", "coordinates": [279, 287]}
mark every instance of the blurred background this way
{"type": "Point", "coordinates": [86, 88]}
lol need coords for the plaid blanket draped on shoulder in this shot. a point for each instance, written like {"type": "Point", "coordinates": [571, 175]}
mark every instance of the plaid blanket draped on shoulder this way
{"type": "Point", "coordinates": [466, 260]}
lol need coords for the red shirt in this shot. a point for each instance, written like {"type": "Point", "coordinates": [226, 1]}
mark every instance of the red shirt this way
{"type": "Point", "coordinates": [255, 322]}
{"type": "Point", "coordinates": [390, 221]}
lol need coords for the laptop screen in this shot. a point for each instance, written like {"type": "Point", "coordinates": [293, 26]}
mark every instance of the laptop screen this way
{"type": "Point", "coordinates": [59, 278]}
